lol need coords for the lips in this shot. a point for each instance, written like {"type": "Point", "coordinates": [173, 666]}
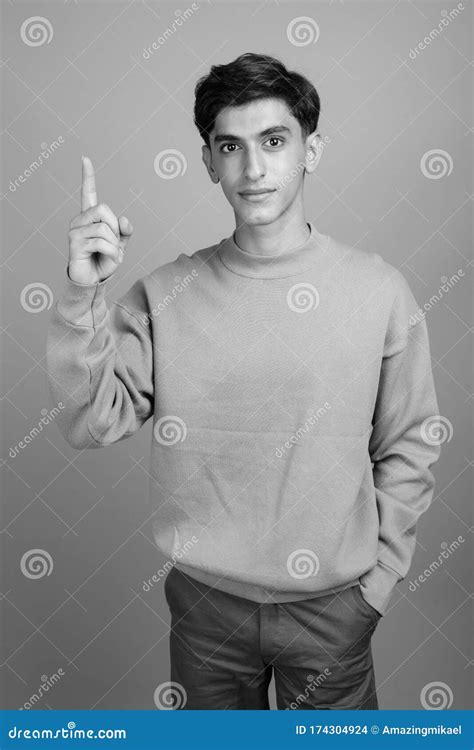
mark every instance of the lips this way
{"type": "Point", "coordinates": [256, 196]}
{"type": "Point", "coordinates": [257, 192]}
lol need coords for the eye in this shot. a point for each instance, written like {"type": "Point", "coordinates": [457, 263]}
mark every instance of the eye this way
{"type": "Point", "coordinates": [227, 144]}
{"type": "Point", "coordinates": [276, 138]}
{"type": "Point", "coordinates": [235, 145]}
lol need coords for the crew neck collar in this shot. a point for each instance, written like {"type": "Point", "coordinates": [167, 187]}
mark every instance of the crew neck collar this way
{"type": "Point", "coordinates": [288, 263]}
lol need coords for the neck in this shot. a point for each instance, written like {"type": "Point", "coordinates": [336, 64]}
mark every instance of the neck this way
{"type": "Point", "coordinates": [272, 239]}
{"type": "Point", "coordinates": [275, 263]}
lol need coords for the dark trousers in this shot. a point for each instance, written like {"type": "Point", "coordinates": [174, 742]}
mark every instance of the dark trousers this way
{"type": "Point", "coordinates": [224, 649]}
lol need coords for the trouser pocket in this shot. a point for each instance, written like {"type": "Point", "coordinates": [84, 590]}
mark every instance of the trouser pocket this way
{"type": "Point", "coordinates": [364, 605]}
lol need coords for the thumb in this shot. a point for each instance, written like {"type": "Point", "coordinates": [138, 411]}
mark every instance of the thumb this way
{"type": "Point", "coordinates": [126, 228]}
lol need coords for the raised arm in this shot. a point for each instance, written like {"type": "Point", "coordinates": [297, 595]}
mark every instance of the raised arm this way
{"type": "Point", "coordinates": [99, 361]}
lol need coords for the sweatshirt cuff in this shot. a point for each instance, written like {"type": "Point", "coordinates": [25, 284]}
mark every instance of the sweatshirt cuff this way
{"type": "Point", "coordinates": [377, 586]}
{"type": "Point", "coordinates": [82, 304]}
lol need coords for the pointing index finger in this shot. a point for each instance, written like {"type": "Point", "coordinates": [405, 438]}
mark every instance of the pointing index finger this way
{"type": "Point", "coordinates": [88, 193]}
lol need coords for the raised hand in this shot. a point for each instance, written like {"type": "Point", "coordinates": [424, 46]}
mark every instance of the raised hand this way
{"type": "Point", "coordinates": [97, 239]}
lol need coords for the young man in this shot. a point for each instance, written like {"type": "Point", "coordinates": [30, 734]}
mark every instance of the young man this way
{"type": "Point", "coordinates": [292, 399]}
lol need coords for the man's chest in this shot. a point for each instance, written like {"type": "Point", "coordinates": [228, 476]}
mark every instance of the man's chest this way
{"type": "Point", "coordinates": [261, 356]}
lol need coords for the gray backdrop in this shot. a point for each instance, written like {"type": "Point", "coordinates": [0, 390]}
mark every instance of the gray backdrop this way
{"type": "Point", "coordinates": [395, 178]}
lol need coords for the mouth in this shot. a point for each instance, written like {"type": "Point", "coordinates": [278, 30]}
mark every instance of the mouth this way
{"type": "Point", "coordinates": [256, 195]}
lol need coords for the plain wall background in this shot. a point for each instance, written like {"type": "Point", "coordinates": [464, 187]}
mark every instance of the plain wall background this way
{"type": "Point", "coordinates": [382, 111]}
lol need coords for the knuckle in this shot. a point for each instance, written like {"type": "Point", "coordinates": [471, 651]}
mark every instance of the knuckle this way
{"type": "Point", "coordinates": [103, 230]}
{"type": "Point", "coordinates": [108, 232]}
{"type": "Point", "coordinates": [111, 217]}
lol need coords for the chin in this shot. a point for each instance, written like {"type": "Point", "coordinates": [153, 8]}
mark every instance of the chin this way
{"type": "Point", "coordinates": [255, 221]}
{"type": "Point", "coordinates": [254, 216]}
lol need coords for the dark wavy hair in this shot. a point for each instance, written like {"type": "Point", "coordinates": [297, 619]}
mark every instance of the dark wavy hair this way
{"type": "Point", "coordinates": [249, 77]}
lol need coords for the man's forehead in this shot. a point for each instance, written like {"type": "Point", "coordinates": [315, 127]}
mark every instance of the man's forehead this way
{"type": "Point", "coordinates": [253, 117]}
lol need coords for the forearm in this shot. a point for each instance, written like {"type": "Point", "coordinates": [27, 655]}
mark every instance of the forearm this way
{"type": "Point", "coordinates": [403, 450]}
{"type": "Point", "coordinates": [99, 365]}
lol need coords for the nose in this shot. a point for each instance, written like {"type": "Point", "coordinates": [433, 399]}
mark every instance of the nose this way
{"type": "Point", "coordinates": [254, 167]}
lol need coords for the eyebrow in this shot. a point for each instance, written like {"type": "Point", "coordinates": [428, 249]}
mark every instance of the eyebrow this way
{"type": "Point", "coordinates": [267, 131]}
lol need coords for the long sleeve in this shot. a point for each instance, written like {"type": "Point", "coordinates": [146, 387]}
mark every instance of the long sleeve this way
{"type": "Point", "coordinates": [100, 366]}
{"type": "Point", "coordinates": [403, 448]}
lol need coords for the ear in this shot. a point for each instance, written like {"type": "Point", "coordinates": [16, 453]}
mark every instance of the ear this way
{"type": "Point", "coordinates": [313, 151]}
{"type": "Point", "coordinates": [207, 159]}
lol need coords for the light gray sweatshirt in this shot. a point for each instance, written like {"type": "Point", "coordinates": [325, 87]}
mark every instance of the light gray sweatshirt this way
{"type": "Point", "coordinates": [293, 409]}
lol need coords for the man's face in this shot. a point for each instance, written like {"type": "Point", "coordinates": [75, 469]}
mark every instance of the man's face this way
{"type": "Point", "coordinates": [257, 146]}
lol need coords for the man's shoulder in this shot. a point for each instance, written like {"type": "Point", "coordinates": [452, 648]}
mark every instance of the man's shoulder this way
{"type": "Point", "coordinates": [184, 266]}
{"type": "Point", "coordinates": [369, 266]}
{"type": "Point", "coordinates": [381, 282]}
{"type": "Point", "coordinates": [165, 281]}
